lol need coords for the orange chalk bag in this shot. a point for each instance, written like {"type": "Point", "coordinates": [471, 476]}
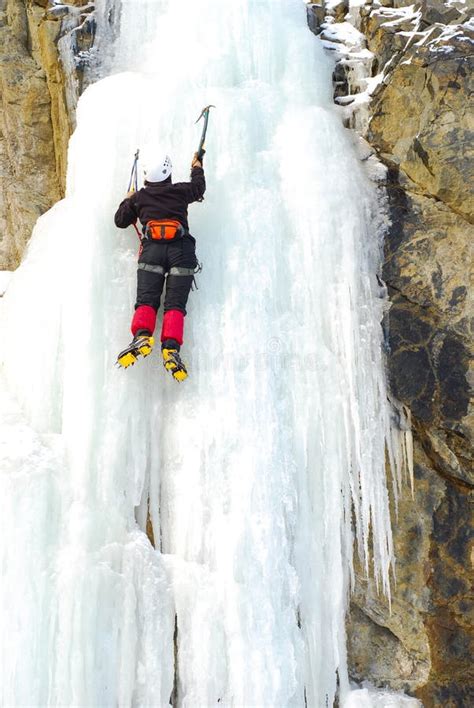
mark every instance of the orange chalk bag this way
{"type": "Point", "coordinates": [164, 230]}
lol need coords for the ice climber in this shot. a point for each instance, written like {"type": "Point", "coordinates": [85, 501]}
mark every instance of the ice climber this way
{"type": "Point", "coordinates": [167, 253]}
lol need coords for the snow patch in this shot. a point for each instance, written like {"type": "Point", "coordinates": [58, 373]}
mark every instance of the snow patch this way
{"type": "Point", "coordinates": [376, 698]}
{"type": "Point", "coordinates": [399, 15]}
{"type": "Point", "coordinates": [345, 33]}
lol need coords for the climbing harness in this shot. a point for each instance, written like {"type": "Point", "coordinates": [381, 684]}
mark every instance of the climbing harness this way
{"type": "Point", "coordinates": [175, 270]}
{"type": "Point", "coordinates": [197, 270]}
{"type": "Point", "coordinates": [149, 268]}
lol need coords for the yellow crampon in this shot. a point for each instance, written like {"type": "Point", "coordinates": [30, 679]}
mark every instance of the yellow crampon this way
{"type": "Point", "coordinates": [172, 363]}
{"type": "Point", "coordinates": [141, 346]}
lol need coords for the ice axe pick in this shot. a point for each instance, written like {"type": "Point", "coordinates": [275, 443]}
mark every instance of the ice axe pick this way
{"type": "Point", "coordinates": [205, 114]}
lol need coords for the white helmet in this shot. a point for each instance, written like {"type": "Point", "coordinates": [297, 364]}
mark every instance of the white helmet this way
{"type": "Point", "coordinates": [158, 169]}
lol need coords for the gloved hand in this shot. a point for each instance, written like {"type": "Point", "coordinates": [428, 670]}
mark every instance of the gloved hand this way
{"type": "Point", "coordinates": [196, 161]}
{"type": "Point", "coordinates": [130, 193]}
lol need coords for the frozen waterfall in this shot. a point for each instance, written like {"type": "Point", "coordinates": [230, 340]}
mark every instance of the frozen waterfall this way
{"type": "Point", "coordinates": [249, 470]}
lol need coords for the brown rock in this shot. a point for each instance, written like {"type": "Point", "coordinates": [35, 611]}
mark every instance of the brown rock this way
{"type": "Point", "coordinates": [29, 183]}
{"type": "Point", "coordinates": [339, 11]}
{"type": "Point", "coordinates": [36, 116]}
{"type": "Point", "coordinates": [423, 120]}
{"type": "Point", "coordinates": [62, 120]}
{"type": "Point", "coordinates": [450, 620]}
{"type": "Point", "coordinates": [315, 14]}
{"type": "Point", "coordinates": [383, 37]}
{"type": "Point", "coordinates": [428, 250]}
{"type": "Point", "coordinates": [423, 644]}
{"type": "Point", "coordinates": [396, 649]}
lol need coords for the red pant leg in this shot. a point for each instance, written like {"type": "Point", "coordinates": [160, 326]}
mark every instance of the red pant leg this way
{"type": "Point", "coordinates": [144, 318]}
{"type": "Point", "coordinates": [173, 326]}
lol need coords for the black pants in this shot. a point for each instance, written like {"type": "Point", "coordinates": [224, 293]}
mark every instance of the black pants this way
{"type": "Point", "coordinates": [177, 254]}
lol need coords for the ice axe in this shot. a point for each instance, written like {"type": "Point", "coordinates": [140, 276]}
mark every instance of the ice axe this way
{"type": "Point", "coordinates": [205, 114]}
{"type": "Point", "coordinates": [133, 182]}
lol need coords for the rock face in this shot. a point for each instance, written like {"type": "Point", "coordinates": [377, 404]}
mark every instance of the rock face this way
{"type": "Point", "coordinates": [36, 113]}
{"type": "Point", "coordinates": [404, 80]}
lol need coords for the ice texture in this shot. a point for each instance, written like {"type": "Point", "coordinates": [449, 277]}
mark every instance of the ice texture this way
{"type": "Point", "coordinates": [263, 470]}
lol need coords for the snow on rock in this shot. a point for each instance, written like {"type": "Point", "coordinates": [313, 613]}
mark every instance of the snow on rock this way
{"type": "Point", "coordinates": [395, 16]}
{"type": "Point", "coordinates": [343, 32]}
{"type": "Point", "coordinates": [376, 698]}
{"type": "Point", "coordinates": [441, 42]}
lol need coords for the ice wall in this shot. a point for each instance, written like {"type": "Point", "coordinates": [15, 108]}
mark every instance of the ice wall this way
{"type": "Point", "coordinates": [252, 466]}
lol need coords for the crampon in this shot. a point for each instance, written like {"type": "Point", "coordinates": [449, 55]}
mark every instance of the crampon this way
{"type": "Point", "coordinates": [172, 363]}
{"type": "Point", "coordinates": [140, 346]}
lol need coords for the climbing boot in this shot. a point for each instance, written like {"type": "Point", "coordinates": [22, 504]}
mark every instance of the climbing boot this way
{"type": "Point", "coordinates": [172, 363]}
{"type": "Point", "coordinates": [141, 345]}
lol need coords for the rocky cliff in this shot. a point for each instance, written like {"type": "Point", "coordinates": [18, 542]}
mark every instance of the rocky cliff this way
{"type": "Point", "coordinates": [403, 79]}
{"type": "Point", "coordinates": [37, 101]}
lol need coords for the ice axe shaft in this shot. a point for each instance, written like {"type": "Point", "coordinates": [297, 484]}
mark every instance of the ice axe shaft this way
{"type": "Point", "coordinates": [133, 182]}
{"type": "Point", "coordinates": [205, 114]}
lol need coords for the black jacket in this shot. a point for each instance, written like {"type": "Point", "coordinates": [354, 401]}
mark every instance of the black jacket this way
{"type": "Point", "coordinates": [162, 200]}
